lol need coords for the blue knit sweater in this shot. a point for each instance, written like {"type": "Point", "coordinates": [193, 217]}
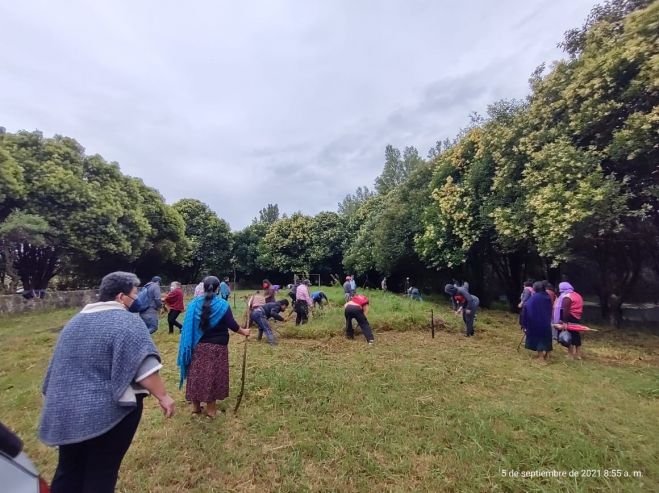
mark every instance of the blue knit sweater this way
{"type": "Point", "coordinates": [96, 358]}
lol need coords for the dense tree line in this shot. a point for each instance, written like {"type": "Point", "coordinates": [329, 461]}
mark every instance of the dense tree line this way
{"type": "Point", "coordinates": [563, 181]}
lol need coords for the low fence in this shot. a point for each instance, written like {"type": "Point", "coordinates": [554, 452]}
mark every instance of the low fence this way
{"type": "Point", "coordinates": [9, 304]}
{"type": "Point", "coordinates": [16, 303]}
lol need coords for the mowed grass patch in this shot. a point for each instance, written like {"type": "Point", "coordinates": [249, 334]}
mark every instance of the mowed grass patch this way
{"type": "Point", "coordinates": [412, 413]}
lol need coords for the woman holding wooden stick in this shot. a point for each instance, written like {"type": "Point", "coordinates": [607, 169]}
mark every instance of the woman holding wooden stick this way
{"type": "Point", "coordinates": [203, 355]}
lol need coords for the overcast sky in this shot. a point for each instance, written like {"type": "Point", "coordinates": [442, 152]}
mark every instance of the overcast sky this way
{"type": "Point", "coordinates": [240, 104]}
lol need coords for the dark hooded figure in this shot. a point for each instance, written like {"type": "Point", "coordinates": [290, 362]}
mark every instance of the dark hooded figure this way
{"type": "Point", "coordinates": [536, 320]}
{"type": "Point", "coordinates": [465, 303]}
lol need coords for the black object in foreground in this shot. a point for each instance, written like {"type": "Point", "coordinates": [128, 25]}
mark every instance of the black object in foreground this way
{"type": "Point", "coordinates": [242, 383]}
{"type": "Point", "coordinates": [432, 323]}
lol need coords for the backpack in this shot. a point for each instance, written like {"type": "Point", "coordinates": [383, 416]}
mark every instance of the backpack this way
{"type": "Point", "coordinates": [143, 300]}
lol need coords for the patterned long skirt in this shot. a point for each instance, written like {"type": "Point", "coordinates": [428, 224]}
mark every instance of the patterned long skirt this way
{"type": "Point", "coordinates": [208, 377]}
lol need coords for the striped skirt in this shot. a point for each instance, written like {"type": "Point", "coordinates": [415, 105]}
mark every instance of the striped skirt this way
{"type": "Point", "coordinates": [208, 376]}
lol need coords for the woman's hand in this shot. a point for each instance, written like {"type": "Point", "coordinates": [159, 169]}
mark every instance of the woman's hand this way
{"type": "Point", "coordinates": [167, 405]}
{"type": "Point", "coordinates": [244, 332]}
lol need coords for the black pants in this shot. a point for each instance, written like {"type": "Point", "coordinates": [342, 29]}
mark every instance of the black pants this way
{"type": "Point", "coordinates": [171, 319]}
{"type": "Point", "coordinates": [302, 312]}
{"type": "Point", "coordinates": [92, 466]}
{"type": "Point", "coordinates": [576, 335]}
{"type": "Point", "coordinates": [353, 312]}
{"type": "Point", "coordinates": [469, 321]}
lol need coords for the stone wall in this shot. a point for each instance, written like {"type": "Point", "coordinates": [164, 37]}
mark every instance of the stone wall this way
{"type": "Point", "coordinates": [15, 303]}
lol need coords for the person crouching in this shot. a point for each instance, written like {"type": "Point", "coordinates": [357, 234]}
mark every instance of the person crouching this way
{"type": "Point", "coordinates": [357, 309]}
{"type": "Point", "coordinates": [261, 314]}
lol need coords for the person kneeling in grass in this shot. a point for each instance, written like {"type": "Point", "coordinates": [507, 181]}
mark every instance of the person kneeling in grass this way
{"type": "Point", "coordinates": [357, 309]}
{"type": "Point", "coordinates": [261, 314]}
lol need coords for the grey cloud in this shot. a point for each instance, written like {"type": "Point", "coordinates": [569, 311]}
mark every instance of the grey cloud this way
{"type": "Point", "coordinates": [293, 102]}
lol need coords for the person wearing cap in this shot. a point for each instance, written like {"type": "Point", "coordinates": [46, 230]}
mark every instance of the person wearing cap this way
{"type": "Point", "coordinates": [353, 285]}
{"type": "Point", "coordinates": [203, 356]}
{"type": "Point", "coordinates": [347, 289]}
{"type": "Point", "coordinates": [357, 309]}
{"type": "Point", "coordinates": [465, 303]}
{"type": "Point", "coordinates": [151, 314]}
{"type": "Point", "coordinates": [303, 302]}
{"type": "Point", "coordinates": [269, 291]}
{"type": "Point", "coordinates": [225, 290]}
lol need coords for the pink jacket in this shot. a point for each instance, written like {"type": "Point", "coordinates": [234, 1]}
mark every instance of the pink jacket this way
{"type": "Point", "coordinates": [302, 294]}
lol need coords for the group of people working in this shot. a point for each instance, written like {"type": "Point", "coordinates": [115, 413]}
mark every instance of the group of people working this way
{"type": "Point", "coordinates": [105, 363]}
{"type": "Point", "coordinates": [545, 316]}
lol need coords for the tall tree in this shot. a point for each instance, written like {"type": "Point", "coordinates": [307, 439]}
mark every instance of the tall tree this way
{"type": "Point", "coordinates": [352, 201]}
{"type": "Point", "coordinates": [287, 246]}
{"type": "Point", "coordinates": [210, 237]}
{"type": "Point", "coordinates": [247, 250]}
{"type": "Point", "coordinates": [20, 233]}
{"type": "Point", "coordinates": [268, 215]}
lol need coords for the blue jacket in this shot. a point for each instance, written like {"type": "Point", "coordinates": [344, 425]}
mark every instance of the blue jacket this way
{"type": "Point", "coordinates": [225, 290]}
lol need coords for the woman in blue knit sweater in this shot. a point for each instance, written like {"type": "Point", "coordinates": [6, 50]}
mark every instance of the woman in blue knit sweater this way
{"type": "Point", "coordinates": [103, 366]}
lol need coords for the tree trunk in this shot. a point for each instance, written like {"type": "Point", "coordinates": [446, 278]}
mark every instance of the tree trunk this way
{"type": "Point", "coordinates": [619, 269]}
{"type": "Point", "coordinates": [10, 269]}
{"type": "Point", "coordinates": [509, 269]}
{"type": "Point", "coordinates": [615, 310]}
{"type": "Point", "coordinates": [36, 266]}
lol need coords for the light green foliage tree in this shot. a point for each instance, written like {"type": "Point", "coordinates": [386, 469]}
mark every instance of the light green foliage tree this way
{"type": "Point", "coordinates": [12, 184]}
{"type": "Point", "coordinates": [595, 118]}
{"type": "Point", "coordinates": [98, 218]}
{"type": "Point", "coordinates": [396, 168]}
{"type": "Point", "coordinates": [247, 249]}
{"type": "Point", "coordinates": [352, 201]}
{"type": "Point", "coordinates": [327, 239]}
{"type": "Point", "coordinates": [287, 246]}
{"type": "Point", "coordinates": [358, 242]}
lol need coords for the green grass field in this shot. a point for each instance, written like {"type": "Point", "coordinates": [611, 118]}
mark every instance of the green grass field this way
{"type": "Point", "coordinates": [411, 413]}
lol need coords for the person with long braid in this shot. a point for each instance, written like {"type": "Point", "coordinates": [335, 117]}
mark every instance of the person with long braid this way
{"type": "Point", "coordinates": [203, 356]}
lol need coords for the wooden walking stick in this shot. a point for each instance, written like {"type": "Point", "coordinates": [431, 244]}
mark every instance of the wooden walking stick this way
{"type": "Point", "coordinates": [521, 341]}
{"type": "Point", "coordinates": [242, 382]}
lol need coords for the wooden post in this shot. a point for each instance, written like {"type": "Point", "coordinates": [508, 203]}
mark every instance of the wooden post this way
{"type": "Point", "coordinates": [432, 323]}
